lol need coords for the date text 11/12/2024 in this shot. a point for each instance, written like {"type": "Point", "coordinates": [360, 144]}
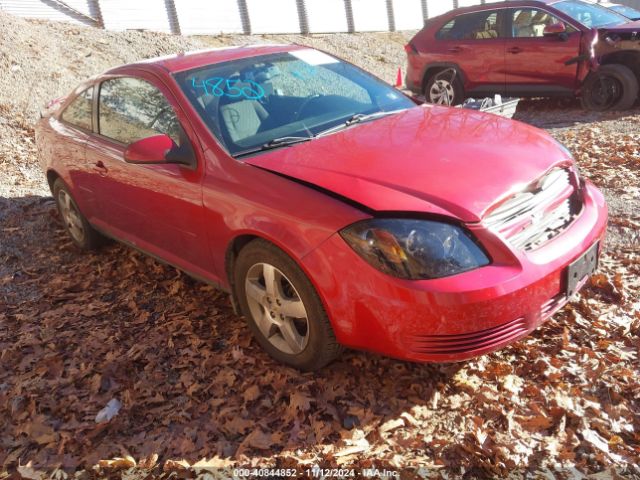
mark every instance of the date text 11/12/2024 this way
{"type": "Point", "coordinates": [315, 472]}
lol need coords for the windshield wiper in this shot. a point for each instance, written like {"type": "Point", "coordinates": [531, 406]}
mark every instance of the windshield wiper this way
{"type": "Point", "coordinates": [273, 144]}
{"type": "Point", "coordinates": [292, 140]}
{"type": "Point", "coordinates": [358, 118]}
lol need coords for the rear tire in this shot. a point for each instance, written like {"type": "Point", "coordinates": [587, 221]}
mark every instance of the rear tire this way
{"type": "Point", "coordinates": [83, 235]}
{"type": "Point", "coordinates": [611, 87]}
{"type": "Point", "coordinates": [282, 308]}
{"type": "Point", "coordinates": [444, 88]}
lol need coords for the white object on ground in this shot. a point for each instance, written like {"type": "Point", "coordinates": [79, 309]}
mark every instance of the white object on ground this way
{"type": "Point", "coordinates": [108, 412]}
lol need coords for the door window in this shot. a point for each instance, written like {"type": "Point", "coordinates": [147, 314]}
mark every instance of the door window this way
{"type": "Point", "coordinates": [530, 23]}
{"type": "Point", "coordinates": [131, 109]}
{"type": "Point", "coordinates": [80, 111]}
{"type": "Point", "coordinates": [473, 26]}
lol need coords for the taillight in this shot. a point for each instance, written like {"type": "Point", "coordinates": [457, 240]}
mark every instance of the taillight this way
{"type": "Point", "coordinates": [410, 48]}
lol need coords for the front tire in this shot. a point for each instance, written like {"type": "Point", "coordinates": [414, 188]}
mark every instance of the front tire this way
{"type": "Point", "coordinates": [611, 87]}
{"type": "Point", "coordinates": [282, 308]}
{"type": "Point", "coordinates": [83, 235]}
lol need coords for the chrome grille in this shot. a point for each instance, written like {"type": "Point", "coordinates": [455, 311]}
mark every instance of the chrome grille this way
{"type": "Point", "coordinates": [538, 214]}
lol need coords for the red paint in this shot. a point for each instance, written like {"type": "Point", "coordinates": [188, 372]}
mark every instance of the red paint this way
{"type": "Point", "coordinates": [426, 161]}
{"type": "Point", "coordinates": [413, 161]}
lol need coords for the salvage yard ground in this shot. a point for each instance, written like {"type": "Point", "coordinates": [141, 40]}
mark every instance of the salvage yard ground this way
{"type": "Point", "coordinates": [79, 329]}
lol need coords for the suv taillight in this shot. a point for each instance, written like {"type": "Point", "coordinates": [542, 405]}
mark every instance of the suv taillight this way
{"type": "Point", "coordinates": [53, 102]}
{"type": "Point", "coordinates": [410, 48]}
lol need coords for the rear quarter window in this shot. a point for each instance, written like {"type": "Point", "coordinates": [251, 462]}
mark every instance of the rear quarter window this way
{"type": "Point", "coordinates": [79, 112]}
{"type": "Point", "coordinates": [445, 32]}
{"type": "Point", "coordinates": [472, 26]}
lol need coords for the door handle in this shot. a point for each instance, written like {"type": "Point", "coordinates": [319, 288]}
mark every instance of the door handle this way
{"type": "Point", "coordinates": [455, 49]}
{"type": "Point", "coordinates": [514, 50]}
{"type": "Point", "coordinates": [100, 168]}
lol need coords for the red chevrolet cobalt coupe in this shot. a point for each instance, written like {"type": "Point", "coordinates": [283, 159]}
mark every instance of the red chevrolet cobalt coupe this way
{"type": "Point", "coordinates": [335, 210]}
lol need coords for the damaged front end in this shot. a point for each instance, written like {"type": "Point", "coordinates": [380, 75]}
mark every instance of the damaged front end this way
{"type": "Point", "coordinates": [615, 45]}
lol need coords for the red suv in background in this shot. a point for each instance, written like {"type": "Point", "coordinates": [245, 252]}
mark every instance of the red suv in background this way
{"type": "Point", "coordinates": [528, 49]}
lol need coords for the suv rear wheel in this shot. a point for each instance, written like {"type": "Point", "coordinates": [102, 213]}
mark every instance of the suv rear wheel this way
{"type": "Point", "coordinates": [444, 88]}
{"type": "Point", "coordinates": [611, 87]}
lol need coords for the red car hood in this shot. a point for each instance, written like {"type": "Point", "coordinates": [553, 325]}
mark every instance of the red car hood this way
{"type": "Point", "coordinates": [449, 161]}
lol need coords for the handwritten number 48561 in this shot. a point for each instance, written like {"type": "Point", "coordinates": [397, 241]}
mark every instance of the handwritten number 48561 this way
{"type": "Point", "coordinates": [219, 87]}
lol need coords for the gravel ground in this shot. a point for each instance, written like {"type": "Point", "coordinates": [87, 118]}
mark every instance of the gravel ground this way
{"type": "Point", "coordinates": [43, 60]}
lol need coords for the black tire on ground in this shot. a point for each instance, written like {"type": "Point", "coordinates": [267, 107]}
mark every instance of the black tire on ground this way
{"type": "Point", "coordinates": [80, 231]}
{"type": "Point", "coordinates": [441, 82]}
{"type": "Point", "coordinates": [321, 346]}
{"type": "Point", "coordinates": [611, 87]}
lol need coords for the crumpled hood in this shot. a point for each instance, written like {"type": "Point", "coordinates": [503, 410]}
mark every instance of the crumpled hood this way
{"type": "Point", "coordinates": [631, 26]}
{"type": "Point", "coordinates": [450, 161]}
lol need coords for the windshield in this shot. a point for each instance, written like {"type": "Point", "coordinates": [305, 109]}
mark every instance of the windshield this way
{"type": "Point", "coordinates": [589, 14]}
{"type": "Point", "coordinates": [251, 102]}
{"type": "Point", "coordinates": [628, 12]}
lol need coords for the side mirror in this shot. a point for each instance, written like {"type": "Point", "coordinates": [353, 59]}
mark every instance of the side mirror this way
{"type": "Point", "coordinates": [149, 150]}
{"type": "Point", "coordinates": [160, 149]}
{"type": "Point", "coordinates": [555, 30]}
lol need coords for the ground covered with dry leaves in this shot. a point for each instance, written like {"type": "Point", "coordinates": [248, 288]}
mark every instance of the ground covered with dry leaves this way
{"type": "Point", "coordinates": [80, 329]}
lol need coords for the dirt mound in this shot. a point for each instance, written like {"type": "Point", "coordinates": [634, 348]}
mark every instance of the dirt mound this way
{"type": "Point", "coordinates": [44, 60]}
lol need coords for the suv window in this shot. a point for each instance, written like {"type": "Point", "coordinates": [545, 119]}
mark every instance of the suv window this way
{"type": "Point", "coordinates": [131, 109]}
{"type": "Point", "coordinates": [80, 111]}
{"type": "Point", "coordinates": [530, 22]}
{"type": "Point", "coordinates": [472, 26]}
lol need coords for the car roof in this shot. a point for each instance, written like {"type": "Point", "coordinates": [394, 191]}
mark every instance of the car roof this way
{"type": "Point", "coordinates": [200, 58]}
{"type": "Point", "coordinates": [497, 5]}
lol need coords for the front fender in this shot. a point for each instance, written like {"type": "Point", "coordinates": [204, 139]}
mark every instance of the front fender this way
{"type": "Point", "coordinates": [250, 202]}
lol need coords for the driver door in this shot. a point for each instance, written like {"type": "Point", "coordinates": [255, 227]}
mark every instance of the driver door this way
{"type": "Point", "coordinates": [156, 207]}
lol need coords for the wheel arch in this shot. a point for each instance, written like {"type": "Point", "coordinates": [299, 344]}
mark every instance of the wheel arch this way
{"type": "Point", "coordinates": [241, 240]}
{"type": "Point", "coordinates": [628, 58]}
{"type": "Point", "coordinates": [52, 176]}
{"type": "Point", "coordinates": [434, 68]}
{"type": "Point", "coordinates": [230, 256]}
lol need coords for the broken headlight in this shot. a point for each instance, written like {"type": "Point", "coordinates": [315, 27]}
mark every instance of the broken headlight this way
{"type": "Point", "coordinates": [415, 249]}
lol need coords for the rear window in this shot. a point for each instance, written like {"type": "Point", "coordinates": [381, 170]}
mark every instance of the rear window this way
{"type": "Point", "coordinates": [472, 26]}
{"type": "Point", "coordinates": [79, 112]}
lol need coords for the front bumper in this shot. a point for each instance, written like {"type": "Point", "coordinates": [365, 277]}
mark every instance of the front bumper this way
{"type": "Point", "coordinates": [458, 317]}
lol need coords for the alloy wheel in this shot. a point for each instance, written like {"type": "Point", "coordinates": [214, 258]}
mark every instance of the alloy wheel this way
{"type": "Point", "coordinates": [277, 308]}
{"type": "Point", "coordinates": [442, 92]}
{"type": "Point", "coordinates": [71, 216]}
